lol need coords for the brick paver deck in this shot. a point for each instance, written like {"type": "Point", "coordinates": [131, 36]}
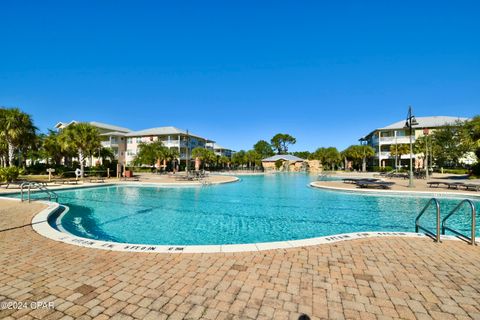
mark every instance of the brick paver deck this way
{"type": "Point", "coordinates": [361, 279]}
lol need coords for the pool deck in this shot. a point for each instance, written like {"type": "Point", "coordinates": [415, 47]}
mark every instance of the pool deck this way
{"type": "Point", "coordinates": [144, 179]}
{"type": "Point", "coordinates": [375, 278]}
{"type": "Point", "coordinates": [401, 185]}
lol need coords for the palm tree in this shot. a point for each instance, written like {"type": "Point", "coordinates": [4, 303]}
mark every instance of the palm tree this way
{"type": "Point", "coordinates": [81, 137]}
{"type": "Point", "coordinates": [51, 147]}
{"type": "Point", "coordinates": [104, 153]}
{"type": "Point", "coordinates": [151, 153]}
{"type": "Point", "coordinates": [17, 130]}
{"type": "Point", "coordinates": [358, 153]}
{"type": "Point", "coordinates": [329, 157]}
{"type": "Point", "coordinates": [252, 157]}
{"type": "Point", "coordinates": [398, 150]}
{"type": "Point", "coordinates": [204, 155]}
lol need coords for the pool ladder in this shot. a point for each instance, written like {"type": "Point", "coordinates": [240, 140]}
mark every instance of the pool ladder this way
{"type": "Point", "coordinates": [442, 224]}
{"type": "Point", "coordinates": [35, 185]}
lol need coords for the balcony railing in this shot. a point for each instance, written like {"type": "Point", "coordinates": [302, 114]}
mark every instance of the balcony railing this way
{"type": "Point", "coordinates": [396, 140]}
{"type": "Point", "coordinates": [107, 144]}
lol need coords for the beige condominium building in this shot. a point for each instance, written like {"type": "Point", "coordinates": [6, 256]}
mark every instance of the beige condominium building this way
{"type": "Point", "coordinates": [112, 137]}
{"type": "Point", "coordinates": [219, 150]}
{"type": "Point", "coordinates": [382, 139]}
{"type": "Point", "coordinates": [171, 137]}
{"type": "Point", "coordinates": [125, 142]}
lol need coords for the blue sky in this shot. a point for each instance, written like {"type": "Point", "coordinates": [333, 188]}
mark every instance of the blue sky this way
{"type": "Point", "coordinates": [326, 72]}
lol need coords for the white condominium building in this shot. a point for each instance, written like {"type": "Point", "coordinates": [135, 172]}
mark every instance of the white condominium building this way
{"type": "Point", "coordinates": [171, 137]}
{"type": "Point", "coordinates": [125, 142]}
{"type": "Point", "coordinates": [383, 138]}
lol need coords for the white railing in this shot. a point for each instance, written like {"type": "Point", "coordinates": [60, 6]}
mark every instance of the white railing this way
{"type": "Point", "coordinates": [396, 140]}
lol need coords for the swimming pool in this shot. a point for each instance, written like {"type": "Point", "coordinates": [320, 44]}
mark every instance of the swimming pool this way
{"type": "Point", "coordinates": [256, 209]}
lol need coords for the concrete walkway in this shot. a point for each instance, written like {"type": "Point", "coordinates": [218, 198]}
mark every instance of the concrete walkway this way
{"type": "Point", "coordinates": [144, 178]}
{"type": "Point", "coordinates": [380, 278]}
{"type": "Point", "coordinates": [420, 185]}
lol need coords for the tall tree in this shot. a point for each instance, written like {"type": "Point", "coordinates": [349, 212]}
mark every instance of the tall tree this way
{"type": "Point", "coordinates": [329, 157]}
{"type": "Point", "coordinates": [206, 156]}
{"type": "Point", "coordinates": [104, 154]}
{"type": "Point", "coordinates": [17, 129]}
{"type": "Point", "coordinates": [359, 155]}
{"type": "Point", "coordinates": [238, 158]}
{"type": "Point", "coordinates": [450, 144]}
{"type": "Point", "coordinates": [473, 130]}
{"type": "Point", "coordinates": [263, 148]}
{"type": "Point", "coordinates": [81, 137]}
{"type": "Point", "coordinates": [51, 148]}
{"type": "Point", "coordinates": [398, 150]}
{"type": "Point", "coordinates": [151, 153]}
{"type": "Point", "coordinates": [252, 158]}
{"type": "Point", "coordinates": [281, 142]}
{"type": "Point", "coordinates": [302, 154]}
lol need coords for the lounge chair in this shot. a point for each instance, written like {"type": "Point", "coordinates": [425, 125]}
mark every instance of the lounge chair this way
{"type": "Point", "coordinates": [63, 179]}
{"type": "Point", "coordinates": [436, 184]}
{"type": "Point", "coordinates": [472, 186]}
{"type": "Point", "coordinates": [454, 185]}
{"type": "Point", "coordinates": [375, 184]}
{"type": "Point", "coordinates": [97, 179]}
{"type": "Point", "coordinates": [131, 178]}
{"type": "Point", "coordinates": [19, 182]}
{"type": "Point", "coordinates": [355, 180]}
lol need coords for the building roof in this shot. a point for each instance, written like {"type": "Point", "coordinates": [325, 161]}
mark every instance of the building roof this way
{"type": "Point", "coordinates": [160, 131]}
{"type": "Point", "coordinates": [285, 157]}
{"type": "Point", "coordinates": [423, 122]}
{"type": "Point", "coordinates": [427, 122]}
{"type": "Point", "coordinates": [109, 126]}
{"type": "Point", "coordinates": [95, 124]}
{"type": "Point", "coordinates": [114, 133]}
{"type": "Point", "coordinates": [216, 146]}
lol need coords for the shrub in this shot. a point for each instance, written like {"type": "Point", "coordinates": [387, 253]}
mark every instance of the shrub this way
{"type": "Point", "coordinates": [456, 171]}
{"type": "Point", "coordinates": [9, 174]}
{"type": "Point", "coordinates": [380, 169]}
{"type": "Point", "coordinates": [476, 170]}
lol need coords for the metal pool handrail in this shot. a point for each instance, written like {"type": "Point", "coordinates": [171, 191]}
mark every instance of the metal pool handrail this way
{"type": "Point", "coordinates": [473, 225]}
{"type": "Point", "coordinates": [29, 184]}
{"type": "Point", "coordinates": [419, 227]}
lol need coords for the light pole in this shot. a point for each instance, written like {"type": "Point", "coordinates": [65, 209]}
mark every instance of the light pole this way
{"type": "Point", "coordinates": [411, 121]}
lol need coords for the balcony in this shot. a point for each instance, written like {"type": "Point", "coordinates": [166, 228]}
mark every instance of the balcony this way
{"type": "Point", "coordinates": [383, 154]}
{"type": "Point", "coordinates": [396, 140]}
{"type": "Point", "coordinates": [109, 143]}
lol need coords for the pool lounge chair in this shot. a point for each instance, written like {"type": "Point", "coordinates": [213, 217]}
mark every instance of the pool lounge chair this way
{"type": "Point", "coordinates": [472, 186]}
{"type": "Point", "coordinates": [131, 178]}
{"type": "Point", "coordinates": [19, 182]}
{"type": "Point", "coordinates": [436, 184]}
{"type": "Point", "coordinates": [97, 179]}
{"type": "Point", "coordinates": [375, 184]}
{"type": "Point", "coordinates": [454, 185]}
{"type": "Point", "coordinates": [355, 180]}
{"type": "Point", "coordinates": [63, 179]}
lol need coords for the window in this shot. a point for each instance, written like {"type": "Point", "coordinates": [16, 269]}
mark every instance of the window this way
{"type": "Point", "coordinates": [139, 139]}
{"type": "Point", "coordinates": [129, 140]}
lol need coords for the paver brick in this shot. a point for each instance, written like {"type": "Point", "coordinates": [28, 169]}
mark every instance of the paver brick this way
{"type": "Point", "coordinates": [375, 278]}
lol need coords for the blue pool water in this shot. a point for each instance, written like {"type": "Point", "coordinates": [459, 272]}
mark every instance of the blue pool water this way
{"type": "Point", "coordinates": [256, 209]}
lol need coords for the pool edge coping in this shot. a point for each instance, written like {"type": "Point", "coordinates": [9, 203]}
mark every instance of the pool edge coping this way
{"type": "Point", "coordinates": [41, 226]}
